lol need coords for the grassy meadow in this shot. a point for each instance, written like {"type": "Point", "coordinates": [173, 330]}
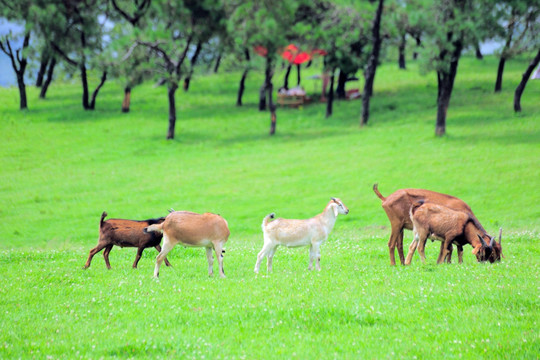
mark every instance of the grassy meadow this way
{"type": "Point", "coordinates": [62, 167]}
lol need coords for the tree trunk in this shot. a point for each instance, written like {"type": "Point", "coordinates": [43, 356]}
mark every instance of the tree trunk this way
{"type": "Point", "coordinates": [330, 101]}
{"type": "Point", "coordinates": [84, 79]}
{"type": "Point", "coordinates": [262, 97]}
{"type": "Point", "coordinates": [443, 101]}
{"type": "Point", "coordinates": [48, 79]}
{"type": "Point", "coordinates": [340, 89]}
{"type": "Point", "coordinates": [479, 55]}
{"type": "Point", "coordinates": [502, 60]}
{"type": "Point", "coordinates": [298, 73]}
{"type": "Point", "coordinates": [242, 86]}
{"type": "Point", "coordinates": [127, 99]}
{"type": "Point", "coordinates": [269, 91]}
{"type": "Point", "coordinates": [402, 45]}
{"type": "Point", "coordinates": [187, 80]}
{"type": "Point", "coordinates": [23, 104]}
{"type": "Point", "coordinates": [218, 62]}
{"type": "Point", "coordinates": [286, 81]}
{"type": "Point", "coordinates": [445, 87]}
{"type": "Point", "coordinates": [500, 70]}
{"type": "Point", "coordinates": [365, 108]}
{"type": "Point", "coordinates": [418, 44]}
{"type": "Point", "coordinates": [272, 107]}
{"type": "Point", "coordinates": [372, 63]}
{"type": "Point", "coordinates": [42, 68]}
{"type": "Point", "coordinates": [523, 83]}
{"type": "Point", "coordinates": [172, 110]}
{"type": "Point", "coordinates": [95, 93]}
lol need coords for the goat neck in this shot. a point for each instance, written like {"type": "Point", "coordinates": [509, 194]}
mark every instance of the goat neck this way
{"type": "Point", "coordinates": [329, 216]}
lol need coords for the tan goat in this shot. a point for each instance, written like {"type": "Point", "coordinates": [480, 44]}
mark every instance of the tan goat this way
{"type": "Point", "coordinates": [206, 230]}
{"type": "Point", "coordinates": [297, 233]}
{"type": "Point", "coordinates": [439, 222]}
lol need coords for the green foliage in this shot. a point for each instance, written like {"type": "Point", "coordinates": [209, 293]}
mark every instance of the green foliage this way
{"type": "Point", "coordinates": [518, 25]}
{"type": "Point", "coordinates": [263, 23]}
{"type": "Point", "coordinates": [343, 33]}
{"type": "Point", "coordinates": [170, 30]}
{"type": "Point", "coordinates": [61, 167]}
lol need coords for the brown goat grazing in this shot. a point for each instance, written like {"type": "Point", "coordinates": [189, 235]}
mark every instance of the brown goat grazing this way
{"type": "Point", "coordinates": [125, 233]}
{"type": "Point", "coordinates": [397, 206]}
{"type": "Point", "coordinates": [195, 230]}
{"type": "Point", "coordinates": [450, 226]}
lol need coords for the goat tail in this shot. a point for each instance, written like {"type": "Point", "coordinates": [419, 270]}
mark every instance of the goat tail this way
{"type": "Point", "coordinates": [267, 219]}
{"type": "Point", "coordinates": [154, 228]}
{"type": "Point", "coordinates": [415, 205]}
{"type": "Point", "coordinates": [103, 216]}
{"type": "Point", "coordinates": [377, 192]}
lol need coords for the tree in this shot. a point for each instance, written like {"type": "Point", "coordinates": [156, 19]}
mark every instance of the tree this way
{"type": "Point", "coordinates": [193, 61]}
{"type": "Point", "coordinates": [399, 19]}
{"type": "Point", "coordinates": [405, 19]}
{"type": "Point", "coordinates": [43, 64]}
{"type": "Point", "coordinates": [450, 42]}
{"type": "Point", "coordinates": [456, 24]}
{"type": "Point", "coordinates": [76, 31]}
{"type": "Point", "coordinates": [18, 63]}
{"type": "Point", "coordinates": [170, 32]}
{"type": "Point", "coordinates": [345, 53]}
{"type": "Point", "coordinates": [369, 73]}
{"type": "Point", "coordinates": [267, 25]}
{"type": "Point", "coordinates": [9, 43]}
{"type": "Point", "coordinates": [48, 77]}
{"type": "Point", "coordinates": [47, 64]}
{"type": "Point", "coordinates": [128, 61]}
{"type": "Point", "coordinates": [521, 87]}
{"type": "Point", "coordinates": [518, 26]}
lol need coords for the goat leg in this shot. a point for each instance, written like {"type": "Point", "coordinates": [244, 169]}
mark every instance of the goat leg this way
{"type": "Point", "coordinates": [108, 249]}
{"type": "Point", "coordinates": [93, 252]}
{"type": "Point", "coordinates": [138, 256]}
{"type": "Point", "coordinates": [158, 248]}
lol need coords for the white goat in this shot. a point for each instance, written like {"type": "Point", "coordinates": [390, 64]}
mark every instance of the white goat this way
{"type": "Point", "coordinates": [296, 233]}
{"type": "Point", "coordinates": [195, 230]}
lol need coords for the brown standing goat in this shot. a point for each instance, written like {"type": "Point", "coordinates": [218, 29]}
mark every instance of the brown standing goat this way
{"type": "Point", "coordinates": [195, 230]}
{"type": "Point", "coordinates": [125, 233]}
{"type": "Point", "coordinates": [397, 206]}
{"type": "Point", "coordinates": [451, 227]}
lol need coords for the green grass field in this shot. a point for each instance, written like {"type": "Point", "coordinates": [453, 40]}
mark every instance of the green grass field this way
{"type": "Point", "coordinates": [62, 167]}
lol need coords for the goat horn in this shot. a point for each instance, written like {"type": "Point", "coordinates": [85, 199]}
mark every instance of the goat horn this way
{"type": "Point", "coordinates": [500, 236]}
{"type": "Point", "coordinates": [333, 198]}
{"type": "Point", "coordinates": [492, 241]}
{"type": "Point", "coordinates": [482, 241]}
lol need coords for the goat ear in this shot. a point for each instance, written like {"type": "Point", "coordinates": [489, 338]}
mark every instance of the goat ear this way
{"type": "Point", "coordinates": [482, 240]}
{"type": "Point", "coordinates": [476, 250]}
